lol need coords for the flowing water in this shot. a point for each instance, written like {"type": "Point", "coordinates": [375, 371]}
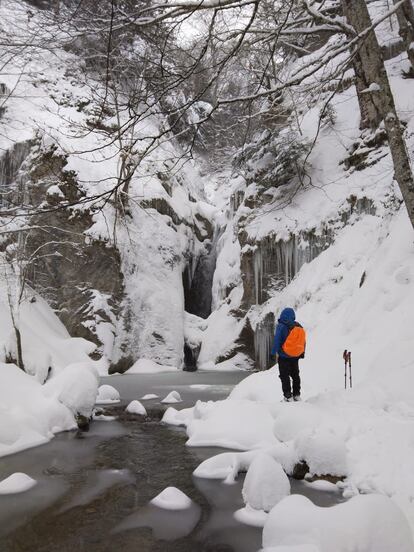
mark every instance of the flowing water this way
{"type": "Point", "coordinates": [94, 487]}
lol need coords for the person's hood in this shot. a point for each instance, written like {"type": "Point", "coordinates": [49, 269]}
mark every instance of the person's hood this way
{"type": "Point", "coordinates": [287, 316]}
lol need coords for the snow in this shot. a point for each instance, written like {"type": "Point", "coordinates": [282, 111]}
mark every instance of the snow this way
{"type": "Point", "coordinates": [172, 398]}
{"type": "Point", "coordinates": [16, 483]}
{"type": "Point", "coordinates": [322, 485]}
{"type": "Point", "coordinates": [149, 396]}
{"type": "Point", "coordinates": [232, 424]}
{"type": "Point", "coordinates": [107, 395]}
{"type": "Point", "coordinates": [29, 417]}
{"type": "Point", "coordinates": [76, 386]}
{"type": "Point", "coordinates": [135, 407]}
{"type": "Point", "coordinates": [250, 516]}
{"type": "Point", "coordinates": [266, 483]}
{"type": "Point", "coordinates": [147, 366]}
{"type": "Point", "coordinates": [172, 498]}
{"type": "Point", "coordinates": [45, 341]}
{"type": "Point", "coordinates": [370, 523]}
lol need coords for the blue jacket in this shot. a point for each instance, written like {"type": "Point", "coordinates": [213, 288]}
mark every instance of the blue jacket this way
{"type": "Point", "coordinates": [284, 324]}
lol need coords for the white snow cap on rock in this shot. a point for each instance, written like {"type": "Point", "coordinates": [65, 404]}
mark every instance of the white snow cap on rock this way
{"type": "Point", "coordinates": [149, 396]}
{"type": "Point", "coordinates": [107, 395]}
{"type": "Point", "coordinates": [366, 523]}
{"type": "Point", "coordinates": [76, 386]}
{"type": "Point", "coordinates": [172, 498]}
{"type": "Point", "coordinates": [147, 366]}
{"type": "Point", "coordinates": [16, 483]}
{"type": "Point", "coordinates": [325, 452]}
{"type": "Point", "coordinates": [28, 416]}
{"type": "Point", "coordinates": [266, 483]}
{"type": "Point", "coordinates": [135, 407]}
{"type": "Point", "coordinates": [172, 398]}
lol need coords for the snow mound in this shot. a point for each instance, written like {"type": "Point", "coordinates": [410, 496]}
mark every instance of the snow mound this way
{"type": "Point", "coordinates": [28, 416]}
{"type": "Point", "coordinates": [135, 407]}
{"type": "Point", "coordinates": [325, 452]}
{"type": "Point", "coordinates": [76, 386]}
{"type": "Point", "coordinates": [107, 395]}
{"type": "Point", "coordinates": [172, 398]}
{"type": "Point", "coordinates": [366, 523]}
{"type": "Point", "coordinates": [146, 366]}
{"type": "Point", "coordinates": [266, 483]}
{"type": "Point", "coordinates": [233, 424]}
{"type": "Point", "coordinates": [149, 396]}
{"type": "Point", "coordinates": [16, 483]}
{"type": "Point", "coordinates": [172, 498]}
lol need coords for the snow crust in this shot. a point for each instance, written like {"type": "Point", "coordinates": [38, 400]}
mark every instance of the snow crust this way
{"type": "Point", "coordinates": [16, 483]}
{"type": "Point", "coordinates": [172, 498]}
{"type": "Point", "coordinates": [135, 407]}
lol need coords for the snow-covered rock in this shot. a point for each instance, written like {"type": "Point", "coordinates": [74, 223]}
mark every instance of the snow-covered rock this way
{"type": "Point", "coordinates": [366, 523]}
{"type": "Point", "coordinates": [107, 395]}
{"type": "Point", "coordinates": [135, 407]}
{"type": "Point", "coordinates": [172, 398]}
{"type": "Point", "coordinates": [172, 498]}
{"type": "Point", "coordinates": [266, 483]}
{"type": "Point", "coordinates": [325, 452]}
{"type": "Point", "coordinates": [76, 386]}
{"type": "Point", "coordinates": [149, 396]}
{"type": "Point", "coordinates": [29, 417]}
{"type": "Point", "coordinates": [16, 483]}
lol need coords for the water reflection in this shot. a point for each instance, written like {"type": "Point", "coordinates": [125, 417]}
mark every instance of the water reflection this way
{"type": "Point", "coordinates": [166, 525]}
{"type": "Point", "coordinates": [97, 484]}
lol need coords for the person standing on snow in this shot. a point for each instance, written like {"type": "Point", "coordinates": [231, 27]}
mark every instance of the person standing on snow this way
{"type": "Point", "coordinates": [288, 347]}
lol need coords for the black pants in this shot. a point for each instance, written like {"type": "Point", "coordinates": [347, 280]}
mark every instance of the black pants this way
{"type": "Point", "coordinates": [289, 368]}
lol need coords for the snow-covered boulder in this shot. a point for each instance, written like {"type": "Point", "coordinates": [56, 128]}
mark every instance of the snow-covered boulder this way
{"type": "Point", "coordinates": [135, 407]}
{"type": "Point", "coordinates": [266, 483]}
{"type": "Point", "coordinates": [172, 498]}
{"type": "Point", "coordinates": [366, 523]}
{"type": "Point", "coordinates": [76, 386]}
{"type": "Point", "coordinates": [107, 395]}
{"type": "Point", "coordinates": [28, 416]}
{"type": "Point", "coordinates": [324, 452]}
{"type": "Point", "coordinates": [16, 483]}
{"type": "Point", "coordinates": [172, 398]}
{"type": "Point", "coordinates": [149, 396]}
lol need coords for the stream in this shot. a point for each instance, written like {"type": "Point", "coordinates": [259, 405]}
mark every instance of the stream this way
{"type": "Point", "coordinates": [94, 487]}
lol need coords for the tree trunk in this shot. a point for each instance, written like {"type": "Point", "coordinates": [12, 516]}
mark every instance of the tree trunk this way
{"type": "Point", "coordinates": [19, 348]}
{"type": "Point", "coordinates": [405, 17]}
{"type": "Point", "coordinates": [374, 71]}
{"type": "Point", "coordinates": [370, 116]}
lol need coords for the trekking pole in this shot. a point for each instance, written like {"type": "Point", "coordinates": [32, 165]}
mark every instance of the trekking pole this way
{"type": "Point", "coordinates": [345, 357]}
{"type": "Point", "coordinates": [350, 369]}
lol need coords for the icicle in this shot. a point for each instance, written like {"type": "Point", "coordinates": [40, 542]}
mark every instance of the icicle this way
{"type": "Point", "coordinates": [263, 339]}
{"type": "Point", "coordinates": [258, 274]}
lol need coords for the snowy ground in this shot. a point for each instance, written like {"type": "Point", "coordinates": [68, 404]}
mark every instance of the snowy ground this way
{"type": "Point", "coordinates": [360, 435]}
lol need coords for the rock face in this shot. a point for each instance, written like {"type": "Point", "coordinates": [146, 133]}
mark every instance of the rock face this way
{"type": "Point", "coordinates": [80, 277]}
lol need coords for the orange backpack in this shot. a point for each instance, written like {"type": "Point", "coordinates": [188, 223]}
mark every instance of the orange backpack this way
{"type": "Point", "coordinates": [295, 343]}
